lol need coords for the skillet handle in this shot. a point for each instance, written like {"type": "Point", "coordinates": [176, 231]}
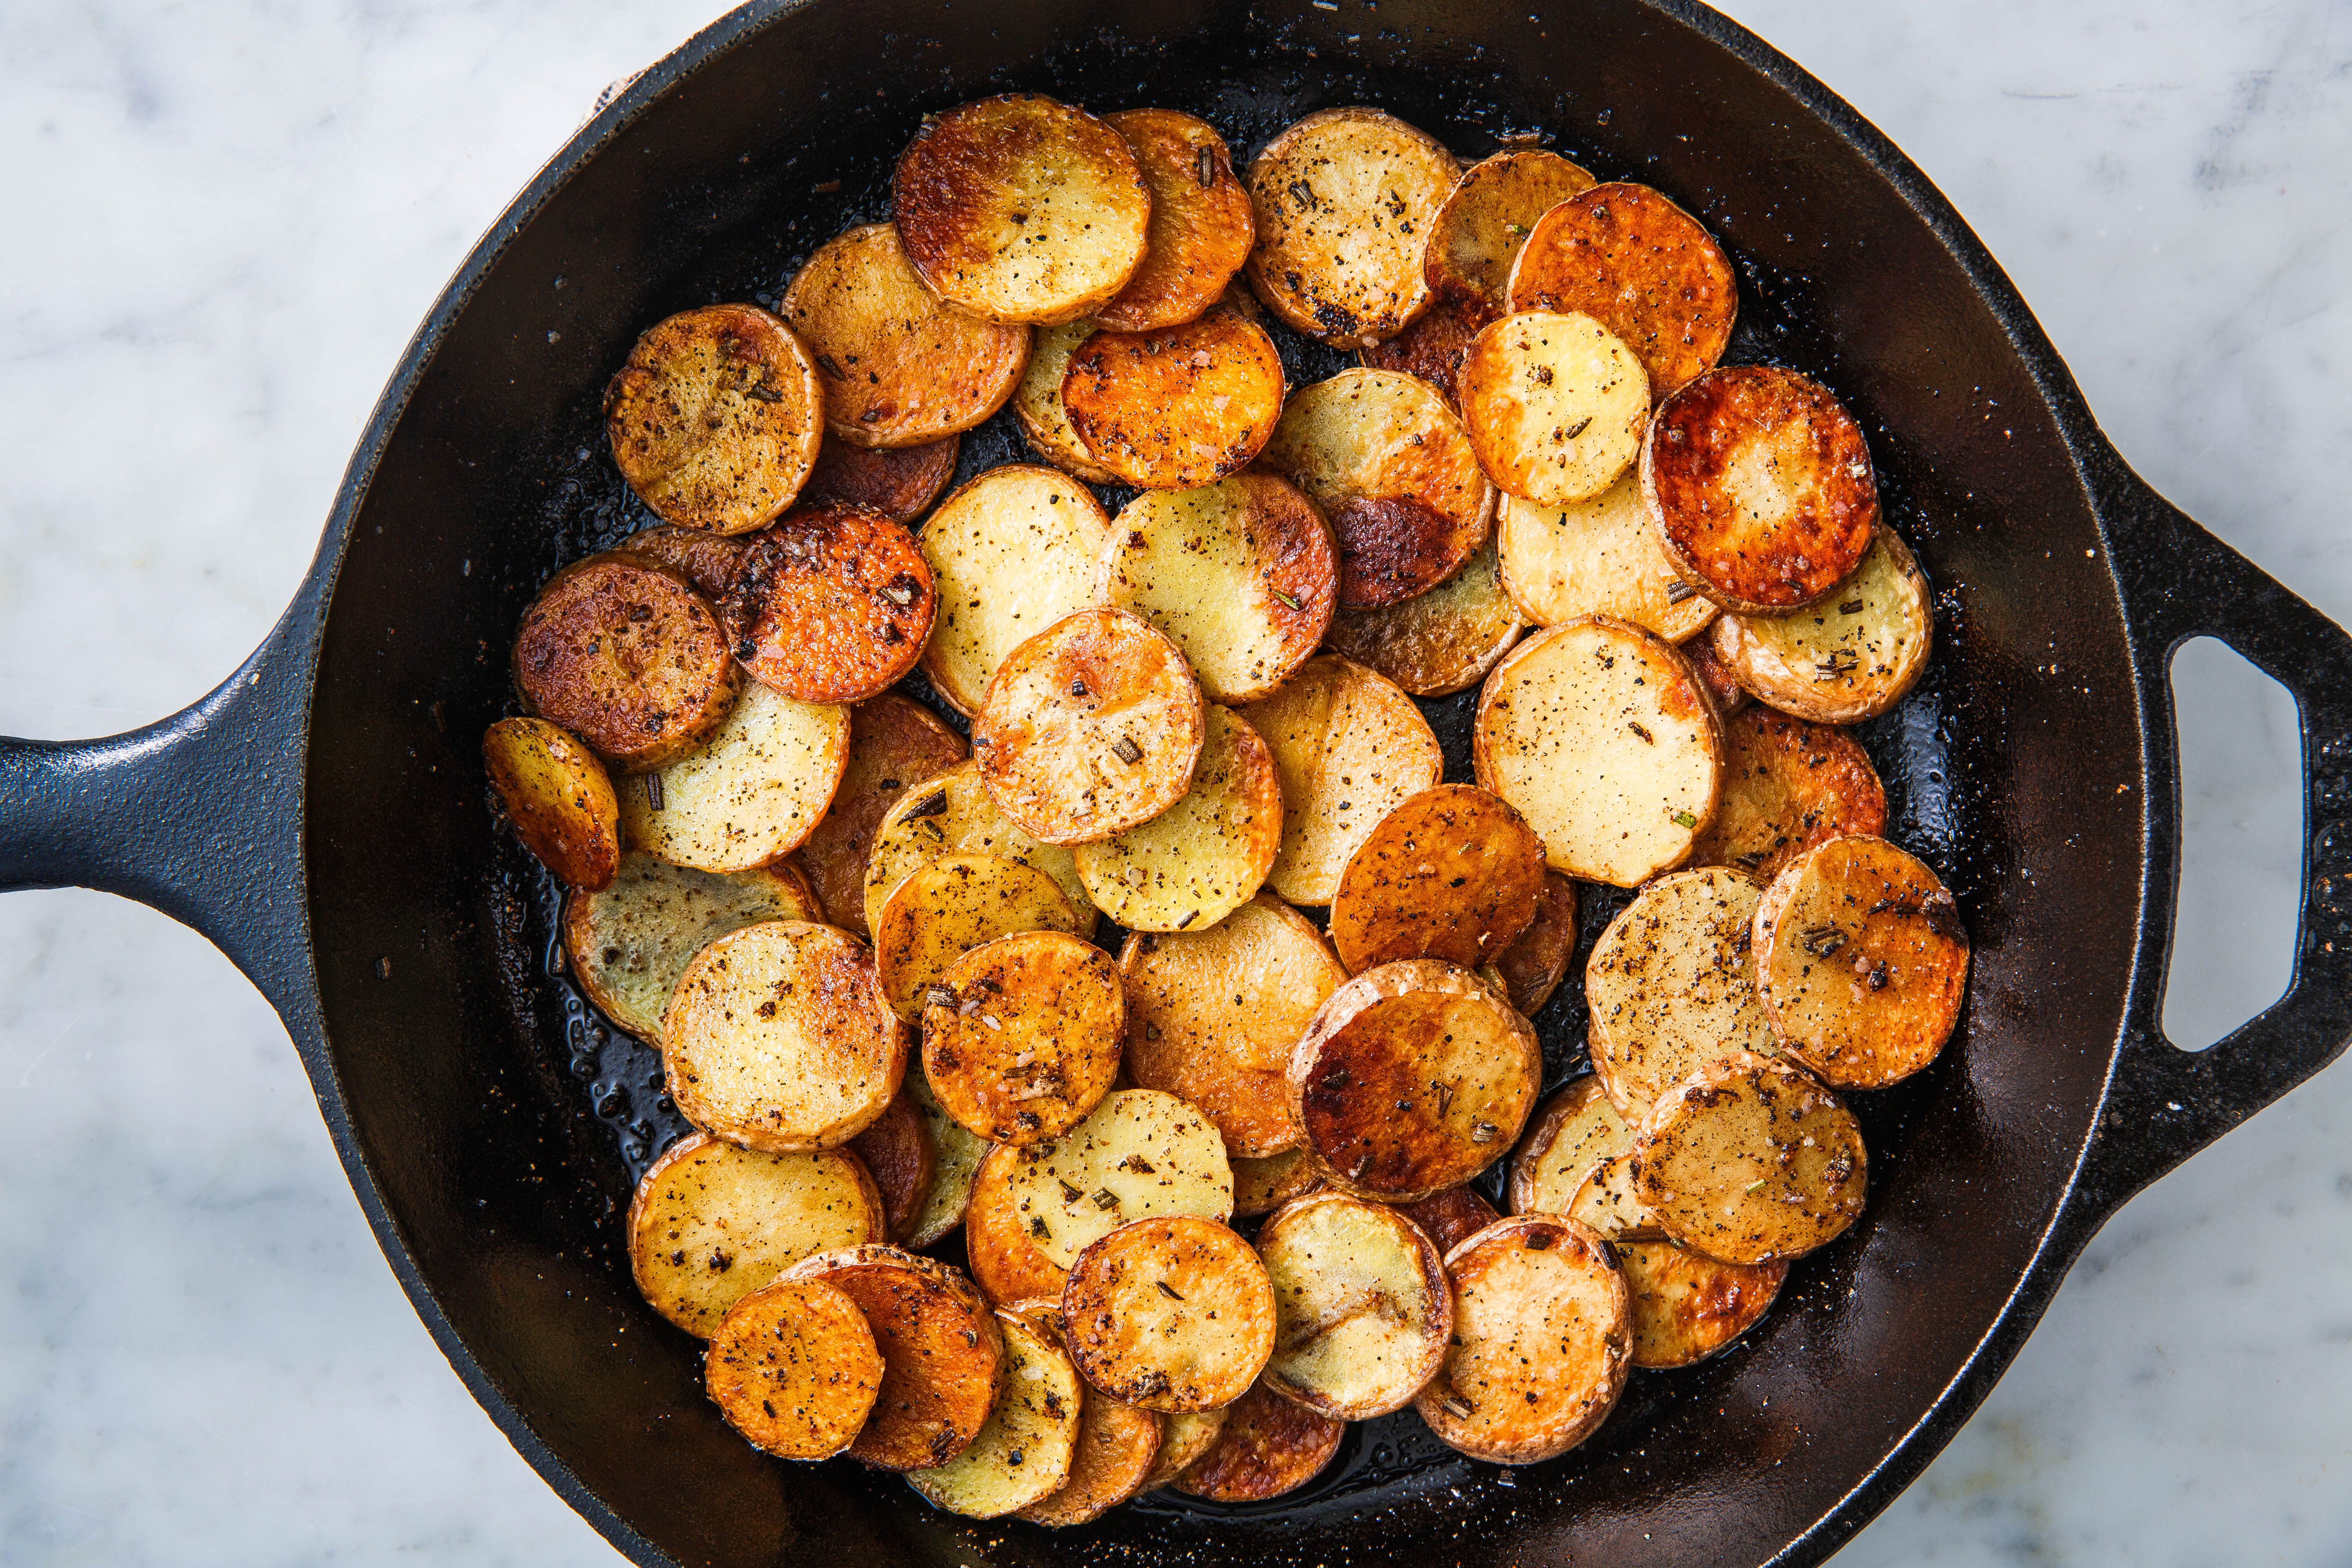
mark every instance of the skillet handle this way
{"type": "Point", "coordinates": [2180, 582]}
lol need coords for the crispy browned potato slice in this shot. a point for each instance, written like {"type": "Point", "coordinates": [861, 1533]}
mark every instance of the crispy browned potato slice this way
{"type": "Point", "coordinates": [894, 745]}
{"type": "Point", "coordinates": [1362, 1306]}
{"type": "Point", "coordinates": [1477, 234]}
{"type": "Point", "coordinates": [1024, 1452]}
{"type": "Point", "coordinates": [1117, 1444]}
{"type": "Point", "coordinates": [560, 801]}
{"type": "Point", "coordinates": [1687, 1306]}
{"type": "Point", "coordinates": [779, 1040]}
{"type": "Point", "coordinates": [1240, 573]}
{"type": "Point", "coordinates": [627, 656]}
{"type": "Point", "coordinates": [1344, 200]}
{"type": "Point", "coordinates": [1181, 407]}
{"type": "Point", "coordinates": [942, 1351]}
{"type": "Point", "coordinates": [1532, 966]}
{"type": "Point", "coordinates": [704, 559]}
{"type": "Point", "coordinates": [748, 796]}
{"type": "Point", "coordinates": [1202, 228]}
{"type": "Point", "coordinates": [1212, 1015]}
{"type": "Point", "coordinates": [1021, 1035]}
{"type": "Point", "coordinates": [1037, 403]}
{"type": "Point", "coordinates": [899, 366]}
{"type": "Point", "coordinates": [1262, 1185]}
{"type": "Point", "coordinates": [1452, 873]}
{"type": "Point", "coordinates": [1787, 786]}
{"type": "Point", "coordinates": [1451, 1218]}
{"type": "Point", "coordinates": [1542, 1341]}
{"type": "Point", "coordinates": [1184, 1439]}
{"type": "Point", "coordinates": [1431, 349]}
{"type": "Point", "coordinates": [1601, 735]}
{"type": "Point", "coordinates": [1437, 643]}
{"type": "Point", "coordinates": [1207, 854]}
{"type": "Point", "coordinates": [896, 1151]}
{"type": "Point", "coordinates": [1749, 1159]}
{"type": "Point", "coordinates": [1596, 557]}
{"type": "Point", "coordinates": [1141, 1153]}
{"type": "Point", "coordinates": [1021, 208]}
{"type": "Point", "coordinates": [1266, 1446]}
{"type": "Point", "coordinates": [1722, 687]}
{"type": "Point", "coordinates": [900, 482]}
{"type": "Point", "coordinates": [957, 1155]}
{"type": "Point", "coordinates": [1173, 1313]}
{"type": "Point", "coordinates": [1413, 1078]}
{"type": "Point", "coordinates": [951, 814]}
{"type": "Point", "coordinates": [1554, 405]}
{"type": "Point", "coordinates": [946, 909]}
{"type": "Point", "coordinates": [629, 942]}
{"type": "Point", "coordinates": [1606, 1203]}
{"type": "Point", "coordinates": [715, 419]}
{"type": "Point", "coordinates": [793, 1367]}
{"type": "Point", "coordinates": [1091, 727]}
{"type": "Point", "coordinates": [832, 605]}
{"type": "Point", "coordinates": [1577, 1130]}
{"type": "Point", "coordinates": [1348, 747]}
{"type": "Point", "coordinates": [1000, 1240]}
{"type": "Point", "coordinates": [1672, 985]}
{"type": "Point", "coordinates": [1849, 658]}
{"type": "Point", "coordinates": [1639, 264]}
{"type": "Point", "coordinates": [1761, 487]}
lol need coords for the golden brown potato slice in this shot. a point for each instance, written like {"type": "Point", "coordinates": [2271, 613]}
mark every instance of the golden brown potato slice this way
{"type": "Point", "coordinates": [1181, 407]}
{"type": "Point", "coordinates": [1601, 735]}
{"type": "Point", "coordinates": [1184, 1439]}
{"type": "Point", "coordinates": [1431, 349]}
{"type": "Point", "coordinates": [1024, 1452]}
{"type": "Point", "coordinates": [1761, 487]}
{"type": "Point", "coordinates": [894, 745]}
{"type": "Point", "coordinates": [1452, 873]}
{"type": "Point", "coordinates": [627, 656]}
{"type": "Point", "coordinates": [896, 1150]}
{"type": "Point", "coordinates": [1240, 573]}
{"type": "Point", "coordinates": [1117, 1444]}
{"type": "Point", "coordinates": [1437, 643]}
{"type": "Point", "coordinates": [1787, 786]}
{"type": "Point", "coordinates": [1347, 748]}
{"type": "Point", "coordinates": [1262, 1185]}
{"type": "Point", "coordinates": [1849, 658]}
{"type": "Point", "coordinates": [999, 1240]}
{"type": "Point", "coordinates": [1202, 228]}
{"type": "Point", "coordinates": [715, 419]}
{"type": "Point", "coordinates": [1672, 985]}
{"type": "Point", "coordinates": [1173, 1313]}
{"type": "Point", "coordinates": [1722, 687]}
{"type": "Point", "coordinates": [1596, 557]}
{"type": "Point", "coordinates": [793, 1368]}
{"type": "Point", "coordinates": [1688, 1307]}
{"type": "Point", "coordinates": [1554, 405]}
{"type": "Point", "coordinates": [1037, 403]}
{"type": "Point", "coordinates": [1413, 1078]}
{"type": "Point", "coordinates": [704, 559]}
{"type": "Point", "coordinates": [1749, 1159]}
{"type": "Point", "coordinates": [951, 814]}
{"type": "Point", "coordinates": [900, 482]}
{"type": "Point", "coordinates": [629, 942]}
{"type": "Point", "coordinates": [560, 800]}
{"type": "Point", "coordinates": [1014, 551]}
{"type": "Point", "coordinates": [1542, 1341]}
{"type": "Point", "coordinates": [956, 1157]}
{"type": "Point", "coordinates": [1141, 1153]}
{"type": "Point", "coordinates": [1577, 1130]}
{"type": "Point", "coordinates": [1451, 1218]}
{"type": "Point", "coordinates": [1204, 856]}
{"type": "Point", "coordinates": [1021, 208]}
{"type": "Point", "coordinates": [1266, 1446]}
{"type": "Point", "coordinates": [1362, 1306]}
{"type": "Point", "coordinates": [832, 605]}
{"type": "Point", "coordinates": [1477, 234]}
{"type": "Point", "coordinates": [1091, 727]}
{"type": "Point", "coordinates": [948, 908]}
{"type": "Point", "coordinates": [1395, 475]}
{"type": "Point", "coordinates": [1344, 200]}
{"type": "Point", "coordinates": [750, 795]}
{"type": "Point", "coordinates": [942, 1351]}
{"type": "Point", "coordinates": [779, 1040]}
{"type": "Point", "coordinates": [1637, 263]}
{"type": "Point", "coordinates": [1532, 966]}
{"type": "Point", "coordinates": [1606, 1203]}
{"type": "Point", "coordinates": [1021, 1035]}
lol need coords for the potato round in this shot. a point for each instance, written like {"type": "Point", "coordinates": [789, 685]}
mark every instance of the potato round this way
{"type": "Point", "coordinates": [1014, 551]}
{"type": "Point", "coordinates": [1451, 1218]}
{"type": "Point", "coordinates": [1431, 349]}
{"type": "Point", "coordinates": [1184, 1439]}
{"type": "Point", "coordinates": [1021, 208]}
{"type": "Point", "coordinates": [1202, 228]}
{"type": "Point", "coordinates": [1091, 727]}
{"type": "Point", "coordinates": [1023, 1453]}
{"type": "Point", "coordinates": [1452, 873]}
{"type": "Point", "coordinates": [1477, 234]}
{"type": "Point", "coordinates": [779, 1040]}
{"type": "Point", "coordinates": [1021, 1035]}
{"type": "Point", "coordinates": [559, 798]}
{"type": "Point", "coordinates": [1262, 1185]}
{"type": "Point", "coordinates": [1723, 689]}
{"type": "Point", "coordinates": [1599, 733]}
{"type": "Point", "coordinates": [1849, 658]}
{"type": "Point", "coordinates": [898, 367]}
{"type": "Point", "coordinates": [1205, 856]}
{"type": "Point", "coordinates": [942, 1351]}
{"type": "Point", "coordinates": [897, 1151]}
{"type": "Point", "coordinates": [946, 909]}
{"type": "Point", "coordinates": [1413, 1078]}
{"type": "Point", "coordinates": [705, 560]}
{"type": "Point", "coordinates": [1749, 1159]}
{"type": "Point", "coordinates": [1437, 643]}
{"type": "Point", "coordinates": [1672, 985]}
{"type": "Point", "coordinates": [1344, 200]}
{"type": "Point", "coordinates": [1173, 1313]}
{"type": "Point", "coordinates": [1241, 574]}
{"type": "Point", "coordinates": [1181, 407]}
{"type": "Point", "coordinates": [629, 942]}
{"type": "Point", "coordinates": [1606, 1203]}
{"type": "Point", "coordinates": [956, 1157]}
{"type": "Point", "coordinates": [894, 745]}
{"type": "Point", "coordinates": [1554, 405]}
{"type": "Point", "coordinates": [1141, 1153]}
{"type": "Point", "coordinates": [715, 418]}
{"type": "Point", "coordinates": [1630, 258]}
{"type": "Point", "coordinates": [1861, 962]}
{"type": "Point", "coordinates": [627, 656]}
{"type": "Point", "coordinates": [832, 605]}
{"type": "Point", "coordinates": [951, 814]}
{"type": "Point", "coordinates": [1000, 1241]}
{"type": "Point", "coordinates": [901, 482]}
{"type": "Point", "coordinates": [1266, 1446]}
{"type": "Point", "coordinates": [752, 793]}
{"type": "Point", "coordinates": [1787, 786]}
{"type": "Point", "coordinates": [1596, 557]}
{"type": "Point", "coordinates": [793, 1367]}
{"type": "Point", "coordinates": [1534, 964]}
{"type": "Point", "coordinates": [1037, 403]}
{"type": "Point", "coordinates": [1362, 1306]}
{"type": "Point", "coordinates": [1688, 1307]}
{"type": "Point", "coordinates": [1577, 1128]}
{"type": "Point", "coordinates": [1116, 1444]}
{"type": "Point", "coordinates": [1348, 747]}
{"type": "Point", "coordinates": [1542, 1341]}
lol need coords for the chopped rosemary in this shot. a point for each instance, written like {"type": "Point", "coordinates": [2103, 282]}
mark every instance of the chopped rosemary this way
{"type": "Point", "coordinates": [1684, 819]}
{"type": "Point", "coordinates": [1126, 751]}
{"type": "Point", "coordinates": [653, 791]}
{"type": "Point", "coordinates": [1168, 1291]}
{"type": "Point", "coordinates": [1678, 591]}
{"type": "Point", "coordinates": [1285, 599]}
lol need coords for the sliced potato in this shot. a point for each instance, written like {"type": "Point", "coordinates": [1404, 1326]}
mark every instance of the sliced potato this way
{"type": "Point", "coordinates": [1554, 405]}
{"type": "Point", "coordinates": [894, 745]}
{"type": "Point", "coordinates": [1533, 965]}
{"type": "Point", "coordinates": [1596, 557]}
{"type": "Point", "coordinates": [1202, 228]}
{"type": "Point", "coordinates": [1606, 1203]}
{"type": "Point", "coordinates": [1628, 257]}
{"type": "Point", "coordinates": [1672, 985]}
{"type": "Point", "coordinates": [715, 419]}
{"type": "Point", "coordinates": [705, 559]}
{"type": "Point", "coordinates": [629, 942]}
{"type": "Point", "coordinates": [1021, 208]}
{"type": "Point", "coordinates": [627, 656]}
{"type": "Point", "coordinates": [1437, 643]}
{"type": "Point", "coordinates": [1788, 785]}
{"type": "Point", "coordinates": [1014, 552]}
{"type": "Point", "coordinates": [1722, 687]}
{"type": "Point", "coordinates": [832, 605]}
{"type": "Point", "coordinates": [1362, 1306]}
{"type": "Point", "coordinates": [900, 367]}
{"type": "Point", "coordinates": [1688, 1307]}
{"type": "Point", "coordinates": [1477, 234]}
{"type": "Point", "coordinates": [1240, 573]}
{"type": "Point", "coordinates": [1861, 962]}
{"type": "Point", "coordinates": [1173, 1313]}
{"type": "Point", "coordinates": [1262, 1185]}
{"type": "Point", "coordinates": [1141, 1153]}
{"type": "Point", "coordinates": [1413, 1078]}
{"type": "Point", "coordinates": [951, 814]}
{"type": "Point", "coordinates": [1851, 656]}
{"type": "Point", "coordinates": [1001, 1241]}
{"type": "Point", "coordinates": [946, 909]}
{"type": "Point", "coordinates": [1432, 348]}
{"type": "Point", "coordinates": [560, 800]}
{"type": "Point", "coordinates": [1024, 1452]}
{"type": "Point", "coordinates": [1348, 747]}
{"type": "Point", "coordinates": [1451, 1218]}
{"type": "Point", "coordinates": [1181, 407]}
{"type": "Point", "coordinates": [897, 1151]}
{"type": "Point", "coordinates": [942, 1351]}
{"type": "Point", "coordinates": [1578, 1129]}
{"type": "Point", "coordinates": [1037, 403]}
{"type": "Point", "coordinates": [1600, 734]}
{"type": "Point", "coordinates": [1184, 1439]}
{"type": "Point", "coordinates": [1116, 1444]}
{"type": "Point", "coordinates": [779, 1040]}
{"type": "Point", "coordinates": [793, 1367]}
{"type": "Point", "coordinates": [1205, 856]}
{"type": "Point", "coordinates": [956, 1157]}
{"type": "Point", "coordinates": [750, 795]}
{"type": "Point", "coordinates": [1542, 1341]}
{"type": "Point", "coordinates": [1344, 200]}
{"type": "Point", "coordinates": [1021, 1035]}
{"type": "Point", "coordinates": [1452, 873]}
{"type": "Point", "coordinates": [900, 482]}
{"type": "Point", "coordinates": [1266, 1446]}
{"type": "Point", "coordinates": [1749, 1159]}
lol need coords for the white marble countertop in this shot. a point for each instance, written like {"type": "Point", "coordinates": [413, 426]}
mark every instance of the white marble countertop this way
{"type": "Point", "coordinates": [224, 221]}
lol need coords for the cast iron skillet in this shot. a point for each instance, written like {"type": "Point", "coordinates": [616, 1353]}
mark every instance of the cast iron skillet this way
{"type": "Point", "coordinates": [321, 815]}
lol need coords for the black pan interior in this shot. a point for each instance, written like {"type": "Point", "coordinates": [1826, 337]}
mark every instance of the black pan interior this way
{"type": "Point", "coordinates": [505, 1122]}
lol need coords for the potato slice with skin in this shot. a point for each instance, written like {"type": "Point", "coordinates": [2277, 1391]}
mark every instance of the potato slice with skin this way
{"type": "Point", "coordinates": [943, 911]}
{"type": "Point", "coordinates": [1001, 1241]}
{"type": "Point", "coordinates": [1264, 1185]}
{"type": "Point", "coordinates": [1749, 1159]}
{"type": "Point", "coordinates": [1202, 228]}
{"type": "Point", "coordinates": [795, 1369]}
{"type": "Point", "coordinates": [1205, 856]}
{"type": "Point", "coordinates": [705, 560]}
{"type": "Point", "coordinates": [1140, 1154]}
{"type": "Point", "coordinates": [1240, 573]}
{"type": "Point", "coordinates": [942, 1351]}
{"type": "Point", "coordinates": [1181, 407]}
{"type": "Point", "coordinates": [1722, 688]}
{"type": "Point", "coordinates": [1437, 643]}
{"type": "Point", "coordinates": [1606, 1205]}
{"type": "Point", "coordinates": [1787, 786]}
{"type": "Point", "coordinates": [1090, 728]}
{"type": "Point", "coordinates": [1577, 1130]}
{"type": "Point", "coordinates": [956, 1157]}
{"type": "Point", "coordinates": [832, 605]}
{"type": "Point", "coordinates": [1348, 747]}
{"type": "Point", "coordinates": [1554, 405]}
{"type": "Point", "coordinates": [1344, 200]}
{"type": "Point", "coordinates": [894, 745]}
{"type": "Point", "coordinates": [896, 1150]}
{"type": "Point", "coordinates": [1688, 1307]}
{"type": "Point", "coordinates": [1451, 1217]}
{"type": "Point", "coordinates": [949, 813]}
{"type": "Point", "coordinates": [1021, 1035]}
{"type": "Point", "coordinates": [1266, 1446]}
{"type": "Point", "coordinates": [1542, 1341]}
{"type": "Point", "coordinates": [1413, 1078]}
{"type": "Point", "coordinates": [1477, 234]}
{"type": "Point", "coordinates": [1452, 873]}
{"type": "Point", "coordinates": [1021, 208]}
{"type": "Point", "coordinates": [712, 1222]}
{"type": "Point", "coordinates": [1672, 985]}
{"type": "Point", "coordinates": [628, 657]}
{"type": "Point", "coordinates": [715, 419]}
{"type": "Point", "coordinates": [1861, 962]}
{"type": "Point", "coordinates": [1362, 1306]}
{"type": "Point", "coordinates": [751, 795]}
{"type": "Point", "coordinates": [779, 1040]}
{"type": "Point", "coordinates": [557, 796]}
{"type": "Point", "coordinates": [1037, 403]}
{"type": "Point", "coordinates": [1117, 1444]}
{"type": "Point", "coordinates": [1596, 557]}
{"type": "Point", "coordinates": [899, 366]}
{"type": "Point", "coordinates": [1432, 348]}
{"type": "Point", "coordinates": [1533, 967]}
{"type": "Point", "coordinates": [1600, 734]}
{"type": "Point", "coordinates": [900, 482]}
{"type": "Point", "coordinates": [1173, 1313]}
{"type": "Point", "coordinates": [1849, 658]}
{"type": "Point", "coordinates": [1644, 267]}
{"type": "Point", "coordinates": [1184, 1439]}
{"type": "Point", "coordinates": [1024, 1453]}
{"type": "Point", "coordinates": [1012, 553]}
{"type": "Point", "coordinates": [631, 941]}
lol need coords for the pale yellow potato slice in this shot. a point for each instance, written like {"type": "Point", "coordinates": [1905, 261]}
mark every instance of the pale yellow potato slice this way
{"type": "Point", "coordinates": [631, 941]}
{"type": "Point", "coordinates": [949, 814]}
{"type": "Point", "coordinates": [1554, 405]}
{"type": "Point", "coordinates": [1606, 1203]}
{"type": "Point", "coordinates": [1477, 234]}
{"type": "Point", "coordinates": [1012, 553]}
{"type": "Point", "coordinates": [1141, 1152]}
{"type": "Point", "coordinates": [1362, 1308]}
{"type": "Point", "coordinates": [1437, 643]}
{"type": "Point", "coordinates": [1173, 1313]}
{"type": "Point", "coordinates": [793, 1367]}
{"type": "Point", "coordinates": [1596, 557]}
{"type": "Point", "coordinates": [950, 907]}
{"type": "Point", "coordinates": [1205, 856]}
{"type": "Point", "coordinates": [749, 796]}
{"type": "Point", "coordinates": [715, 419]}
{"type": "Point", "coordinates": [1750, 1160]}
{"type": "Point", "coordinates": [1672, 985]}
{"type": "Point", "coordinates": [1021, 1035]}
{"type": "Point", "coordinates": [1117, 1444]}
{"type": "Point", "coordinates": [1577, 1128]}
{"type": "Point", "coordinates": [1264, 1185]}
{"type": "Point", "coordinates": [1688, 1307]}
{"type": "Point", "coordinates": [1023, 1452]}
{"type": "Point", "coordinates": [1348, 747]}
{"type": "Point", "coordinates": [559, 798]}
{"type": "Point", "coordinates": [1037, 403]}
{"type": "Point", "coordinates": [1849, 658]}
{"type": "Point", "coordinates": [943, 1354]}
{"type": "Point", "coordinates": [956, 1155]}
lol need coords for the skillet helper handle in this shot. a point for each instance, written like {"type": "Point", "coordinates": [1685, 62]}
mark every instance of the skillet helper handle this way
{"type": "Point", "coordinates": [2180, 582]}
